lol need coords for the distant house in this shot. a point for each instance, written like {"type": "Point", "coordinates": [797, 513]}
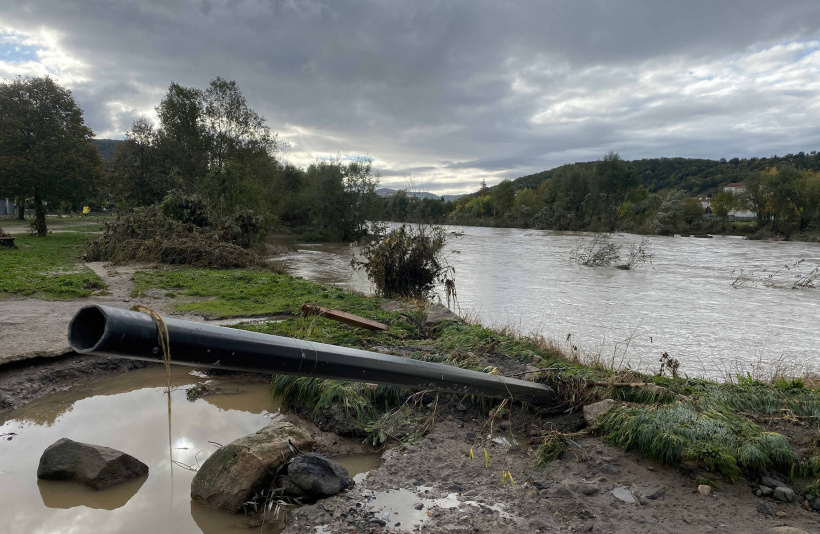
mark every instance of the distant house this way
{"type": "Point", "coordinates": [706, 204]}
{"type": "Point", "coordinates": [735, 188]}
{"type": "Point", "coordinates": [6, 207]}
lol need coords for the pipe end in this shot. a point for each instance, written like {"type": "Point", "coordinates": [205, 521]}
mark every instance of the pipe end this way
{"type": "Point", "coordinates": [86, 329]}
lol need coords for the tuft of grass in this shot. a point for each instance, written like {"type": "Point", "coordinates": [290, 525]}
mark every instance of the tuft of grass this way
{"type": "Point", "coordinates": [47, 266]}
{"type": "Point", "coordinates": [553, 445]}
{"type": "Point", "coordinates": [682, 434]}
{"type": "Point", "coordinates": [358, 402]}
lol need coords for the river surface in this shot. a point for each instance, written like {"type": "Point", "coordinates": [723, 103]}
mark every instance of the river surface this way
{"type": "Point", "coordinates": [129, 412]}
{"type": "Point", "coordinates": [684, 303]}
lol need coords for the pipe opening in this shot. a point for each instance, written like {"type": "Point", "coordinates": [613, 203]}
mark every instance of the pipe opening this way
{"type": "Point", "coordinates": [86, 329]}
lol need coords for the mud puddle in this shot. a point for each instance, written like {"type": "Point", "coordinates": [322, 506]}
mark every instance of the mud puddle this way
{"type": "Point", "coordinates": [129, 412]}
{"type": "Point", "coordinates": [405, 510]}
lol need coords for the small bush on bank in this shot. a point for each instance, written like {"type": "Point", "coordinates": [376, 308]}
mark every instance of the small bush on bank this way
{"type": "Point", "coordinates": [408, 263]}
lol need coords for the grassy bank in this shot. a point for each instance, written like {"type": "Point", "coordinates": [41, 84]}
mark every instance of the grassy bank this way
{"type": "Point", "coordinates": [47, 267]}
{"type": "Point", "coordinates": [728, 429]}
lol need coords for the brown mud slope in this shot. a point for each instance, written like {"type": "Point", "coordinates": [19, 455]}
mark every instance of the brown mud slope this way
{"type": "Point", "coordinates": [573, 494]}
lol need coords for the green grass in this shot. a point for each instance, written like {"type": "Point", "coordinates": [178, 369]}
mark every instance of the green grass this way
{"type": "Point", "coordinates": [47, 266]}
{"type": "Point", "coordinates": [721, 428]}
{"type": "Point", "coordinates": [247, 292]}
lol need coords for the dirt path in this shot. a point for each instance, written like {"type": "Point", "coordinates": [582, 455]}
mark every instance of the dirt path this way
{"type": "Point", "coordinates": [32, 327]}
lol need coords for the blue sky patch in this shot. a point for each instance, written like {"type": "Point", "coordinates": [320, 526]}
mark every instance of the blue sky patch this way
{"type": "Point", "coordinates": [14, 52]}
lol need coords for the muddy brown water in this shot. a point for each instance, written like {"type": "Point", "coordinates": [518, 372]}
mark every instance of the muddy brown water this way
{"type": "Point", "coordinates": [683, 304]}
{"type": "Point", "coordinates": [129, 412]}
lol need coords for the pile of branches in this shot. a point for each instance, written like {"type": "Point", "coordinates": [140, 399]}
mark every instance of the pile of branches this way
{"type": "Point", "coordinates": [179, 231]}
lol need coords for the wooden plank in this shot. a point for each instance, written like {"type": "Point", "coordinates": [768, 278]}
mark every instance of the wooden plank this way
{"type": "Point", "coordinates": [343, 317]}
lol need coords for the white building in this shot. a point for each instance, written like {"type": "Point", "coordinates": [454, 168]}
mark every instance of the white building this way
{"type": "Point", "coordinates": [6, 207]}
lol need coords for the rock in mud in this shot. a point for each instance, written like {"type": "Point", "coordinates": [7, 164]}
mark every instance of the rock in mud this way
{"type": "Point", "coordinates": [624, 495]}
{"type": "Point", "coordinates": [594, 411]}
{"type": "Point", "coordinates": [318, 477]}
{"type": "Point", "coordinates": [231, 475]}
{"type": "Point", "coordinates": [784, 493]}
{"type": "Point", "coordinates": [95, 466]}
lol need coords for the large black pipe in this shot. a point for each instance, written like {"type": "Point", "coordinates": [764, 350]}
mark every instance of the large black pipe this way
{"type": "Point", "coordinates": [127, 334]}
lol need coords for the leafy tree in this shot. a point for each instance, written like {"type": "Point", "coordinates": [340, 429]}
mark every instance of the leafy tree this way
{"type": "Point", "coordinates": [343, 198]}
{"type": "Point", "coordinates": [45, 146]}
{"type": "Point", "coordinates": [181, 135]}
{"type": "Point", "coordinates": [723, 203]}
{"type": "Point", "coordinates": [139, 175]}
{"type": "Point", "coordinates": [612, 179]}
{"type": "Point", "coordinates": [503, 196]}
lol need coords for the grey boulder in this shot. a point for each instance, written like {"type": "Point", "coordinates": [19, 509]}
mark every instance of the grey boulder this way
{"type": "Point", "coordinates": [318, 477]}
{"type": "Point", "coordinates": [231, 475]}
{"type": "Point", "coordinates": [596, 410]}
{"type": "Point", "coordinates": [95, 466]}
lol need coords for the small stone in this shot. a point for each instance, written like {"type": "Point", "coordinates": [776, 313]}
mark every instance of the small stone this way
{"type": "Point", "coordinates": [765, 491]}
{"type": "Point", "coordinates": [589, 489]}
{"type": "Point", "coordinates": [656, 494]}
{"type": "Point", "coordinates": [781, 514]}
{"type": "Point", "coordinates": [415, 482]}
{"type": "Point", "coordinates": [765, 508]}
{"type": "Point", "coordinates": [418, 506]}
{"type": "Point", "coordinates": [461, 408]}
{"type": "Point", "coordinates": [770, 481]}
{"type": "Point", "coordinates": [704, 489]}
{"type": "Point", "coordinates": [562, 493]}
{"type": "Point", "coordinates": [784, 493]}
{"type": "Point", "coordinates": [455, 487]}
{"type": "Point", "coordinates": [624, 495]}
{"type": "Point", "coordinates": [787, 530]}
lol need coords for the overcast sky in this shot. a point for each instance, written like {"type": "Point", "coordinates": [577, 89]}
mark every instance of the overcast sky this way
{"type": "Point", "coordinates": [451, 92]}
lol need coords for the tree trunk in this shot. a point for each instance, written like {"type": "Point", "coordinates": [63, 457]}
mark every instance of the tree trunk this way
{"type": "Point", "coordinates": [21, 212]}
{"type": "Point", "coordinates": [39, 216]}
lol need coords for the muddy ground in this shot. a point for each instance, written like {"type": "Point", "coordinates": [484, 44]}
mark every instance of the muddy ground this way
{"type": "Point", "coordinates": [434, 485]}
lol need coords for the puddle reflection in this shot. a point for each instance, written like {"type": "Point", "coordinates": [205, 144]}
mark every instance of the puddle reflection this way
{"type": "Point", "coordinates": [65, 495]}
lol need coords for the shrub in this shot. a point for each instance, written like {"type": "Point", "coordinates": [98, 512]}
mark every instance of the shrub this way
{"type": "Point", "coordinates": [408, 263]}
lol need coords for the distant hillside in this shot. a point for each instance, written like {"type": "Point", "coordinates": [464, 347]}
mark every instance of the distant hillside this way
{"type": "Point", "coordinates": [106, 148]}
{"type": "Point", "coordinates": [387, 192]}
{"type": "Point", "coordinates": [697, 176]}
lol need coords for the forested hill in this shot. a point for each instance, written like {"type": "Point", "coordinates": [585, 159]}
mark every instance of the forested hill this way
{"type": "Point", "coordinates": [698, 176]}
{"type": "Point", "coordinates": [106, 148]}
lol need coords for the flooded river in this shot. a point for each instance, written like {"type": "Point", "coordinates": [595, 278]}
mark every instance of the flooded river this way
{"type": "Point", "coordinates": [129, 412]}
{"type": "Point", "coordinates": [683, 304]}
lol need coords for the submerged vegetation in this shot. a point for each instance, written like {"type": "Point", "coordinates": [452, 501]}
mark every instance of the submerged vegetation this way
{"type": "Point", "coordinates": [408, 262]}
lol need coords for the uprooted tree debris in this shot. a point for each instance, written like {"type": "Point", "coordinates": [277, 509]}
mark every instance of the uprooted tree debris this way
{"type": "Point", "coordinates": [181, 230]}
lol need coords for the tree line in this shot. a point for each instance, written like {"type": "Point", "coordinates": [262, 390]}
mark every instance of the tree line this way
{"type": "Point", "coordinates": [211, 144]}
{"type": "Point", "coordinates": [651, 196]}
{"type": "Point", "coordinates": [207, 143]}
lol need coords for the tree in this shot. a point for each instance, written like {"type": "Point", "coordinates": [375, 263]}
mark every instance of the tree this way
{"type": "Point", "coordinates": [45, 146]}
{"type": "Point", "coordinates": [723, 203]}
{"type": "Point", "coordinates": [611, 181]}
{"type": "Point", "coordinates": [503, 197]}
{"type": "Point", "coordinates": [139, 175]}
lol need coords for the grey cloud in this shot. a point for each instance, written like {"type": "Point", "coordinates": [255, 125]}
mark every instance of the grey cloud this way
{"type": "Point", "coordinates": [437, 87]}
